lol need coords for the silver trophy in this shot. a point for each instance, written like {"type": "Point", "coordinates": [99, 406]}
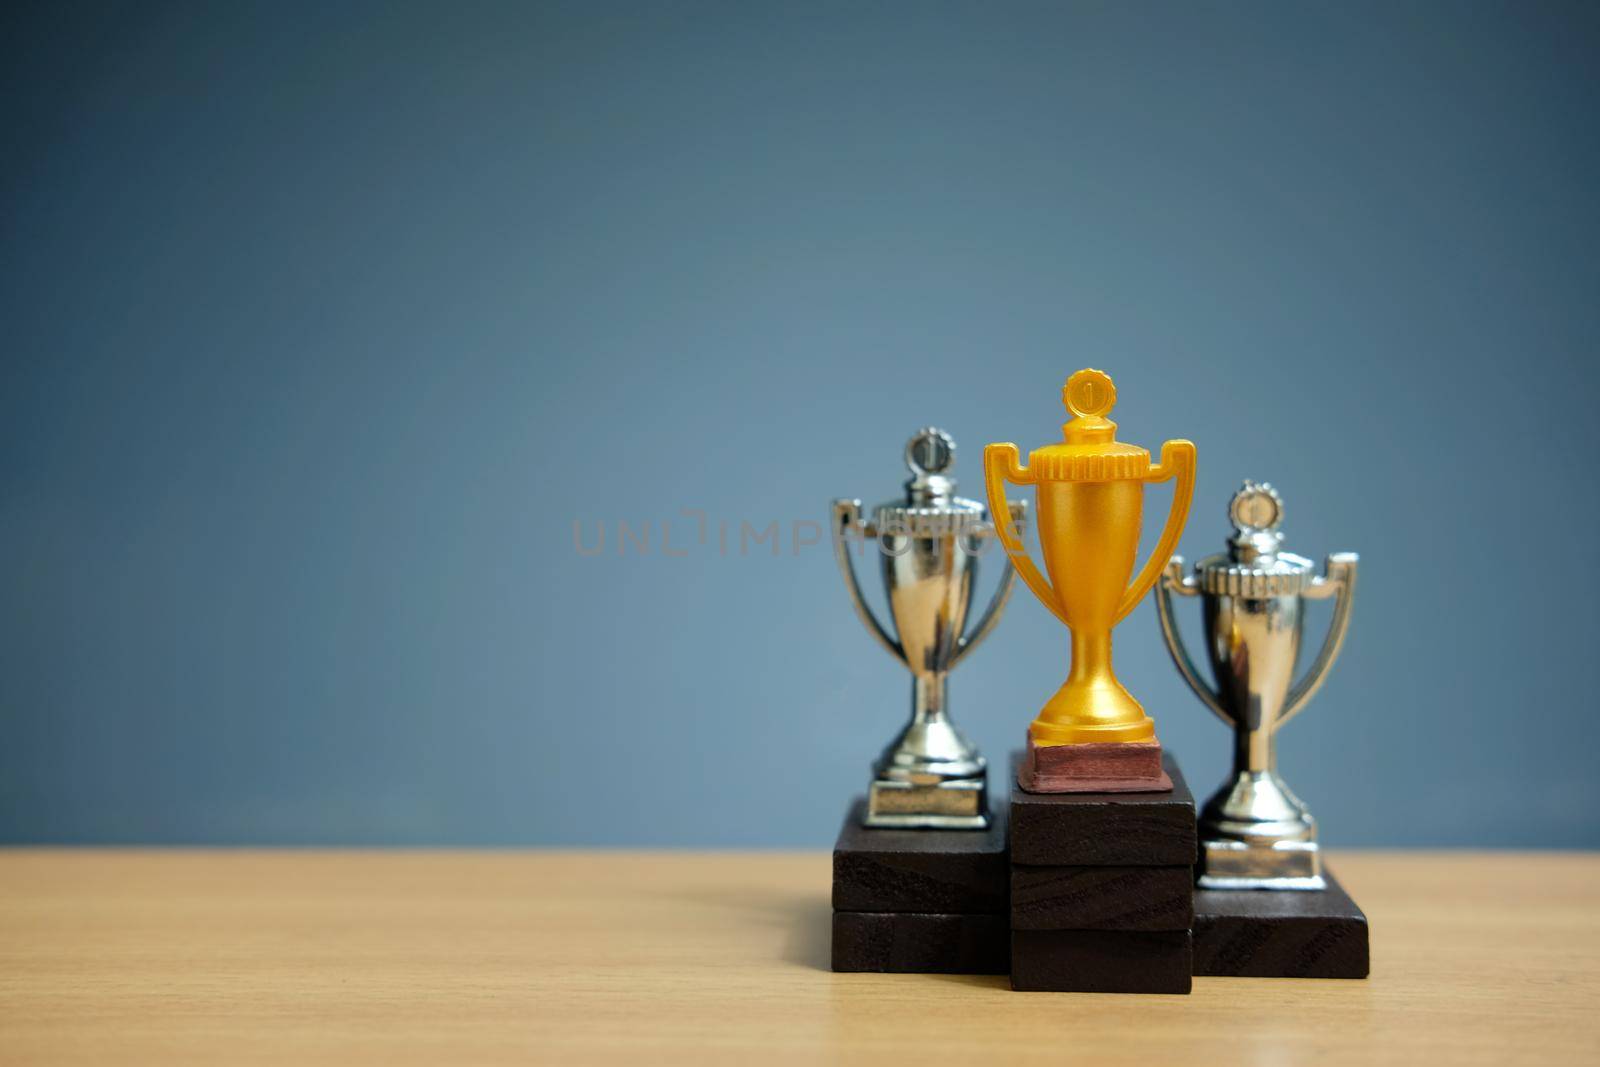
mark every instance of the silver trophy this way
{"type": "Point", "coordinates": [930, 776]}
{"type": "Point", "coordinates": [1255, 833]}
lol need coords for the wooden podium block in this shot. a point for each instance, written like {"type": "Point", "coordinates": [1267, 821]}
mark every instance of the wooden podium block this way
{"type": "Point", "coordinates": [1102, 898]}
{"type": "Point", "coordinates": [909, 943]}
{"type": "Point", "coordinates": [921, 871]}
{"type": "Point", "coordinates": [1262, 933]}
{"type": "Point", "coordinates": [1104, 829]}
{"type": "Point", "coordinates": [1102, 961]}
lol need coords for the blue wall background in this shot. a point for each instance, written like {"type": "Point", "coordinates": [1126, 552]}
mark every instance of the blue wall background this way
{"type": "Point", "coordinates": [324, 325]}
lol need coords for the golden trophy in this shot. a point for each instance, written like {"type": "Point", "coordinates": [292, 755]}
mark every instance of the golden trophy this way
{"type": "Point", "coordinates": [1092, 736]}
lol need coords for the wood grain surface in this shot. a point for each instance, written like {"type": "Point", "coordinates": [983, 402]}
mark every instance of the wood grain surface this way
{"type": "Point", "coordinates": [1258, 934]}
{"type": "Point", "coordinates": [1104, 829]}
{"type": "Point", "coordinates": [944, 871]}
{"type": "Point", "coordinates": [1102, 898]}
{"type": "Point", "coordinates": [230, 957]}
{"type": "Point", "coordinates": [919, 943]}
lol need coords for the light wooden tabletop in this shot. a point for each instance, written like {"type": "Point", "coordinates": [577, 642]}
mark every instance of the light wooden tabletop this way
{"type": "Point", "coordinates": [640, 958]}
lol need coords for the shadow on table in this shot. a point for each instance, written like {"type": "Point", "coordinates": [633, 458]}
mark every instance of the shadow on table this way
{"type": "Point", "coordinates": [808, 918]}
{"type": "Point", "coordinates": [810, 940]}
{"type": "Point", "coordinates": [975, 981]}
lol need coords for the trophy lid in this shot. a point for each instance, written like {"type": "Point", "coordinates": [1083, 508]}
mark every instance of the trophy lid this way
{"type": "Point", "coordinates": [1089, 450]}
{"type": "Point", "coordinates": [1253, 566]}
{"type": "Point", "coordinates": [930, 505]}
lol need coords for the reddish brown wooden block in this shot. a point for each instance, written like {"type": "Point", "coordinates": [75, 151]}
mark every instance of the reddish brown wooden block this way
{"type": "Point", "coordinates": [926, 871]}
{"type": "Point", "coordinates": [1104, 829]}
{"type": "Point", "coordinates": [906, 943]}
{"type": "Point", "coordinates": [1261, 933]}
{"type": "Point", "coordinates": [1102, 898]}
{"type": "Point", "coordinates": [1101, 961]}
{"type": "Point", "coordinates": [1132, 767]}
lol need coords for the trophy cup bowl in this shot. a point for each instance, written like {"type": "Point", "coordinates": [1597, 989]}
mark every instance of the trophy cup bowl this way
{"type": "Point", "coordinates": [1090, 492]}
{"type": "Point", "coordinates": [930, 776]}
{"type": "Point", "coordinates": [1255, 833]}
{"type": "Point", "coordinates": [1088, 534]}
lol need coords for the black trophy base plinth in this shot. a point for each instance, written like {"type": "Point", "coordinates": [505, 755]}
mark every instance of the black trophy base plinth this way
{"type": "Point", "coordinates": [1262, 933]}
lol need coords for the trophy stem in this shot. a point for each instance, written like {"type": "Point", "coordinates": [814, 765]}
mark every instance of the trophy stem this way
{"type": "Point", "coordinates": [929, 750]}
{"type": "Point", "coordinates": [1091, 707]}
{"type": "Point", "coordinates": [927, 696]}
{"type": "Point", "coordinates": [1253, 751]}
{"type": "Point", "coordinates": [930, 777]}
{"type": "Point", "coordinates": [1091, 656]}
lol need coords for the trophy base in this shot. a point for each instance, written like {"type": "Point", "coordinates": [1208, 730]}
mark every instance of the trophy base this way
{"type": "Point", "coordinates": [1103, 767]}
{"type": "Point", "coordinates": [1250, 934]}
{"type": "Point", "coordinates": [1261, 865]}
{"type": "Point", "coordinates": [896, 805]}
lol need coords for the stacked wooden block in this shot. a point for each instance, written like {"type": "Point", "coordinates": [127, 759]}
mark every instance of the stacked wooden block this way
{"type": "Point", "coordinates": [1293, 934]}
{"type": "Point", "coordinates": [919, 901]}
{"type": "Point", "coordinates": [1102, 890]}
{"type": "Point", "coordinates": [1076, 892]}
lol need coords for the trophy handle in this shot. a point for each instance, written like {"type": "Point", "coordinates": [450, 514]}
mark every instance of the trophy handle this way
{"type": "Point", "coordinates": [1177, 457]}
{"type": "Point", "coordinates": [847, 519]}
{"type": "Point", "coordinates": [1339, 582]}
{"type": "Point", "coordinates": [999, 467]}
{"type": "Point", "coordinates": [991, 615]}
{"type": "Point", "coordinates": [1173, 581]}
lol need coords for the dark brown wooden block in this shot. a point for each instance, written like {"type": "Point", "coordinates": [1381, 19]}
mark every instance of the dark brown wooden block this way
{"type": "Point", "coordinates": [1263, 933]}
{"type": "Point", "coordinates": [1102, 961]}
{"type": "Point", "coordinates": [1102, 898]}
{"type": "Point", "coordinates": [927, 871]}
{"type": "Point", "coordinates": [1104, 829]}
{"type": "Point", "coordinates": [907, 943]}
